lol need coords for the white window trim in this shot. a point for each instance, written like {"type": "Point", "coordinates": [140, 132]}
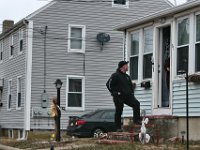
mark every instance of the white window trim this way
{"type": "Point", "coordinates": [21, 32]}
{"type": "Point", "coordinates": [140, 59]}
{"type": "Point", "coordinates": [176, 76]}
{"type": "Point", "coordinates": [120, 5]}
{"type": "Point", "coordinates": [129, 51]}
{"type": "Point", "coordinates": [195, 42]}
{"type": "Point", "coordinates": [11, 43]}
{"type": "Point", "coordinates": [141, 52]}
{"type": "Point", "coordinates": [9, 93]}
{"type": "Point", "coordinates": [83, 92]}
{"type": "Point", "coordinates": [146, 53]}
{"type": "Point", "coordinates": [20, 136]}
{"type": "Point", "coordinates": [18, 108]}
{"type": "Point", "coordinates": [1, 50]}
{"type": "Point", "coordinates": [83, 27]}
{"type": "Point", "coordinates": [10, 133]}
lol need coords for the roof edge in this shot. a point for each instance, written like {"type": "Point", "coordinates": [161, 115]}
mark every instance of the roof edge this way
{"type": "Point", "coordinates": [170, 3]}
{"type": "Point", "coordinates": [22, 21]}
{"type": "Point", "coordinates": [40, 9]}
{"type": "Point", "coordinates": [163, 13]}
{"type": "Point", "coordinates": [14, 28]}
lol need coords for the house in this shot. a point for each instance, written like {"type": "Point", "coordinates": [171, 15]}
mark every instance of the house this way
{"type": "Point", "coordinates": [59, 41]}
{"type": "Point", "coordinates": [160, 47]}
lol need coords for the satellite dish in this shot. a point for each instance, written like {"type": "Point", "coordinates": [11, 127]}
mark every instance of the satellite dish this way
{"type": "Point", "coordinates": [102, 38]}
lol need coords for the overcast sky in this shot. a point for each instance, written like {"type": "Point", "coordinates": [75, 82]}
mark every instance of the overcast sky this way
{"type": "Point", "coordinates": [18, 9]}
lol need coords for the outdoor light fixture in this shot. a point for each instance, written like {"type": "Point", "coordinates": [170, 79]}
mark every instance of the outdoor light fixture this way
{"type": "Point", "coordinates": [58, 85]}
{"type": "Point", "coordinates": [182, 136]}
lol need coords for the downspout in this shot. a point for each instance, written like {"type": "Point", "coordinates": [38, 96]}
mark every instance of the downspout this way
{"type": "Point", "coordinates": [124, 50]}
{"type": "Point", "coordinates": [28, 76]}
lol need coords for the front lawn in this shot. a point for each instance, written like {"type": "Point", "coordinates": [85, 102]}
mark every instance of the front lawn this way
{"type": "Point", "coordinates": [40, 140]}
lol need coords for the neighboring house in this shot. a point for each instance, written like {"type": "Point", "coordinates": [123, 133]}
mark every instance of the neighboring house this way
{"type": "Point", "coordinates": [167, 39]}
{"type": "Point", "coordinates": [59, 41]}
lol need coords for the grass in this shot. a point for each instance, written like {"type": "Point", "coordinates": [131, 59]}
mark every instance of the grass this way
{"type": "Point", "coordinates": [42, 140]}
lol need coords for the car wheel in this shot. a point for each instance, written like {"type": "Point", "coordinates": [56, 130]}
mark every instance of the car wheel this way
{"type": "Point", "coordinates": [97, 132]}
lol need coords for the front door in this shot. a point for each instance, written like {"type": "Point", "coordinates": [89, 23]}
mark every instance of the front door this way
{"type": "Point", "coordinates": [162, 90]}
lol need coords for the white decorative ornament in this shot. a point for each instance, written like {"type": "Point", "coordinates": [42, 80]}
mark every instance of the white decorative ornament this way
{"type": "Point", "coordinates": [143, 136]}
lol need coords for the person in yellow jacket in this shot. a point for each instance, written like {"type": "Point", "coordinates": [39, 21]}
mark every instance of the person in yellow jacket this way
{"type": "Point", "coordinates": [55, 110]}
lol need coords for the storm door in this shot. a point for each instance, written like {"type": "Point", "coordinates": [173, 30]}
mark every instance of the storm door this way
{"type": "Point", "coordinates": [163, 97]}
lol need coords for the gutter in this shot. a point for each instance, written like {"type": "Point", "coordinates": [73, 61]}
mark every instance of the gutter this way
{"type": "Point", "coordinates": [160, 14]}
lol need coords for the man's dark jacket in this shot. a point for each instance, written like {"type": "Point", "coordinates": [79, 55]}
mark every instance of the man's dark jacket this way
{"type": "Point", "coordinates": [119, 84]}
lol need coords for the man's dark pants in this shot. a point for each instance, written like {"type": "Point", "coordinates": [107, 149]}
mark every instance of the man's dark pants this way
{"type": "Point", "coordinates": [129, 100]}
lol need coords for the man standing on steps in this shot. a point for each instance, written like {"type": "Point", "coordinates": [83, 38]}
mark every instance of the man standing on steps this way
{"type": "Point", "coordinates": [122, 90]}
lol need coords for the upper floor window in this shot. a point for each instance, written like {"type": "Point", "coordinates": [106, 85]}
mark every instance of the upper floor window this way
{"type": "Point", "coordinates": [21, 40]}
{"type": "Point", "coordinates": [75, 92]}
{"type": "Point", "coordinates": [19, 92]}
{"type": "Point", "coordinates": [182, 44]}
{"type": "Point", "coordinates": [1, 50]}
{"type": "Point", "coordinates": [11, 46]}
{"type": "Point", "coordinates": [120, 3]}
{"type": "Point", "coordinates": [76, 42]}
{"type": "Point", "coordinates": [141, 52]}
{"type": "Point", "coordinates": [9, 99]}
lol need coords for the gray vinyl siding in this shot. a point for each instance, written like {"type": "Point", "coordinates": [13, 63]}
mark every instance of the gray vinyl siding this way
{"type": "Point", "coordinates": [179, 98]}
{"type": "Point", "coordinates": [11, 69]}
{"type": "Point", "coordinates": [99, 64]}
{"type": "Point", "coordinates": [144, 96]}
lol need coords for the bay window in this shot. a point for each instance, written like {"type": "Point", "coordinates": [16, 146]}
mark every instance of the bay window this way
{"type": "Point", "coordinates": [147, 53]}
{"type": "Point", "coordinates": [141, 51]}
{"type": "Point", "coordinates": [134, 54]}
{"type": "Point", "coordinates": [182, 44]}
{"type": "Point", "coordinates": [197, 44]}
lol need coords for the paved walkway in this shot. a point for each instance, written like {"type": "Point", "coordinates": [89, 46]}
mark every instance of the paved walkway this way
{"type": "Point", "coordinates": [68, 147]}
{"type": "Point", "coordinates": [3, 147]}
